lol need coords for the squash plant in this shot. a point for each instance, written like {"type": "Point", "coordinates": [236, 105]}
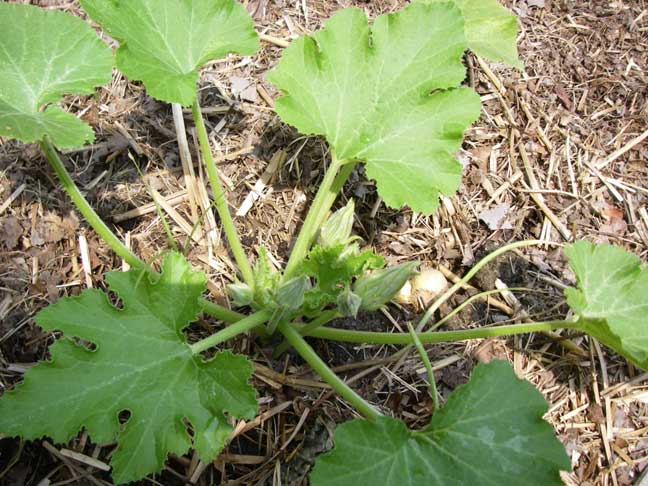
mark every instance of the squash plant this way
{"type": "Point", "coordinates": [385, 94]}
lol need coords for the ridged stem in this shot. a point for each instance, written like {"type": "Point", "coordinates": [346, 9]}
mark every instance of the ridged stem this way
{"type": "Point", "coordinates": [310, 356]}
{"type": "Point", "coordinates": [219, 198]}
{"type": "Point", "coordinates": [96, 223]}
{"type": "Point", "coordinates": [334, 178]}
{"type": "Point", "coordinates": [367, 337]}
{"type": "Point", "coordinates": [246, 324]}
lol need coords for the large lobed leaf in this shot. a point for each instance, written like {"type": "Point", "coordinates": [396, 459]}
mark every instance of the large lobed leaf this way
{"type": "Point", "coordinates": [141, 365]}
{"type": "Point", "coordinates": [43, 56]}
{"type": "Point", "coordinates": [164, 43]}
{"type": "Point", "coordinates": [612, 298]}
{"type": "Point", "coordinates": [383, 95]}
{"type": "Point", "coordinates": [489, 432]}
{"type": "Point", "coordinates": [491, 30]}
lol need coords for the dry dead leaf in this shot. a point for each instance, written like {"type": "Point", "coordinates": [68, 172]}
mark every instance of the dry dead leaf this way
{"type": "Point", "coordinates": [497, 217]}
{"type": "Point", "coordinates": [51, 228]}
{"type": "Point", "coordinates": [245, 89]}
{"type": "Point", "coordinates": [11, 232]}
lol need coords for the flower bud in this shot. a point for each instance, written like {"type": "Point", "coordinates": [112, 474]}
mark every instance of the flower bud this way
{"type": "Point", "coordinates": [266, 280]}
{"type": "Point", "coordinates": [241, 294]}
{"type": "Point", "coordinates": [290, 294]}
{"type": "Point", "coordinates": [348, 303]}
{"type": "Point", "coordinates": [379, 287]}
{"type": "Point", "coordinates": [337, 228]}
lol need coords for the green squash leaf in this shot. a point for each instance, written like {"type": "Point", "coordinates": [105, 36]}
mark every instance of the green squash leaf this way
{"type": "Point", "coordinates": [612, 298]}
{"type": "Point", "coordinates": [337, 265]}
{"type": "Point", "coordinates": [491, 30]}
{"type": "Point", "coordinates": [476, 438]}
{"type": "Point", "coordinates": [142, 365]}
{"type": "Point", "coordinates": [381, 95]}
{"type": "Point", "coordinates": [43, 56]}
{"type": "Point", "coordinates": [164, 43]}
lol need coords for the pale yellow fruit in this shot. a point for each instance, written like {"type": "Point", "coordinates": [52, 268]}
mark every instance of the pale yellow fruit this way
{"type": "Point", "coordinates": [428, 284]}
{"type": "Point", "coordinates": [404, 295]}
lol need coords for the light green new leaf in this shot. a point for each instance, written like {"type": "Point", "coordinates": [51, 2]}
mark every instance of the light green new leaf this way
{"type": "Point", "coordinates": [381, 95]}
{"type": "Point", "coordinates": [266, 280]}
{"type": "Point", "coordinates": [141, 365]}
{"type": "Point", "coordinates": [612, 298]}
{"type": "Point", "coordinates": [489, 432]}
{"type": "Point", "coordinates": [43, 56]}
{"type": "Point", "coordinates": [338, 265]}
{"type": "Point", "coordinates": [334, 268]}
{"type": "Point", "coordinates": [164, 43]}
{"type": "Point", "coordinates": [491, 30]}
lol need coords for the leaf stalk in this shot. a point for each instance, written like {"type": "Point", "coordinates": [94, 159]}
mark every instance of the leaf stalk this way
{"type": "Point", "coordinates": [368, 337]}
{"type": "Point", "coordinates": [219, 312]}
{"type": "Point", "coordinates": [334, 178]}
{"type": "Point", "coordinates": [244, 325]}
{"type": "Point", "coordinates": [426, 363]}
{"type": "Point", "coordinates": [96, 223]}
{"type": "Point", "coordinates": [84, 207]}
{"type": "Point", "coordinates": [310, 356]}
{"type": "Point", "coordinates": [323, 318]}
{"type": "Point", "coordinates": [219, 198]}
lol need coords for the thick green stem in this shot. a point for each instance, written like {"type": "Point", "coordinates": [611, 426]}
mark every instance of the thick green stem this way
{"type": "Point", "coordinates": [219, 312]}
{"type": "Point", "coordinates": [323, 318]}
{"type": "Point", "coordinates": [85, 209]}
{"type": "Point", "coordinates": [324, 199]}
{"type": "Point", "coordinates": [247, 324]}
{"type": "Point", "coordinates": [219, 197]}
{"type": "Point", "coordinates": [338, 184]}
{"type": "Point", "coordinates": [367, 337]}
{"type": "Point", "coordinates": [310, 356]}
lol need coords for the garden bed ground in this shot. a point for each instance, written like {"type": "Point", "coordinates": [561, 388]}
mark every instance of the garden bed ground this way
{"type": "Point", "coordinates": [559, 153]}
